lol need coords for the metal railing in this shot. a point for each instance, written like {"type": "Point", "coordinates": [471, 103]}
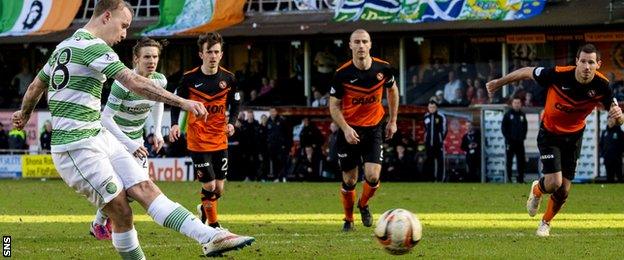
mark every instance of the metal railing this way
{"type": "Point", "coordinates": [278, 6]}
{"type": "Point", "coordinates": [147, 9]}
{"type": "Point", "coordinates": [142, 9]}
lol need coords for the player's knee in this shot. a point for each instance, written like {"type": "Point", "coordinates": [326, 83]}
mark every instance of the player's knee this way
{"type": "Point", "coordinates": [218, 191]}
{"type": "Point", "coordinates": [561, 195]}
{"type": "Point", "coordinates": [209, 186]}
{"type": "Point", "coordinates": [209, 195]}
{"type": "Point", "coordinates": [119, 211]}
{"type": "Point", "coordinates": [348, 186]}
{"type": "Point", "coordinates": [372, 180]}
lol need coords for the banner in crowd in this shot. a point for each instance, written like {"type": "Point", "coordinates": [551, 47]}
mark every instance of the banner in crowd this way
{"type": "Point", "coordinates": [38, 166]}
{"type": "Point", "coordinates": [417, 11]}
{"type": "Point", "coordinates": [171, 169]}
{"type": "Point", "coordinates": [10, 166]}
{"type": "Point", "coordinates": [192, 17]}
{"type": "Point", "coordinates": [26, 17]}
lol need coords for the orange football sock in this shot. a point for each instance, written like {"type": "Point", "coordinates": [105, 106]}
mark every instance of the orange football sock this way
{"type": "Point", "coordinates": [537, 191]}
{"type": "Point", "coordinates": [552, 209]}
{"type": "Point", "coordinates": [210, 209]}
{"type": "Point", "coordinates": [348, 199]}
{"type": "Point", "coordinates": [367, 193]}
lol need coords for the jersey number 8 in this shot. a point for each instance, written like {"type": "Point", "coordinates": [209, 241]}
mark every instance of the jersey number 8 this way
{"type": "Point", "coordinates": [60, 67]}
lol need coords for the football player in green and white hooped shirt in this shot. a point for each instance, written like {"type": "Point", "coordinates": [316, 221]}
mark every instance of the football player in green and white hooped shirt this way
{"type": "Point", "coordinates": [87, 156]}
{"type": "Point", "coordinates": [125, 115]}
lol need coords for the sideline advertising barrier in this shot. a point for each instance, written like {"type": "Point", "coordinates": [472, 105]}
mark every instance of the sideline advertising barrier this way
{"type": "Point", "coordinates": [10, 166]}
{"type": "Point", "coordinates": [38, 166]}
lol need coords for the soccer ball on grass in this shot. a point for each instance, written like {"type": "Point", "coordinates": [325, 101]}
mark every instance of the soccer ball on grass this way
{"type": "Point", "coordinates": [398, 231]}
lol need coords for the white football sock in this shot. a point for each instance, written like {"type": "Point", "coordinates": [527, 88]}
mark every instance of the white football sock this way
{"type": "Point", "coordinates": [174, 216]}
{"type": "Point", "coordinates": [127, 244]}
{"type": "Point", "coordinates": [100, 217]}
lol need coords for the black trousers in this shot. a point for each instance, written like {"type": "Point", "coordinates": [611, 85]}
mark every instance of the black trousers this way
{"type": "Point", "coordinates": [435, 163]}
{"type": "Point", "coordinates": [614, 169]}
{"type": "Point", "coordinates": [515, 149]}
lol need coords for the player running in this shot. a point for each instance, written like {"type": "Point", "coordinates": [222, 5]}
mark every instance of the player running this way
{"type": "Point", "coordinates": [215, 88]}
{"type": "Point", "coordinates": [87, 156]}
{"type": "Point", "coordinates": [573, 92]}
{"type": "Point", "coordinates": [125, 115]}
{"type": "Point", "coordinates": [355, 106]}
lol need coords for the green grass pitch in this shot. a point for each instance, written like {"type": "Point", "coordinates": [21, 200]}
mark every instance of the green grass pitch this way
{"type": "Point", "coordinates": [303, 221]}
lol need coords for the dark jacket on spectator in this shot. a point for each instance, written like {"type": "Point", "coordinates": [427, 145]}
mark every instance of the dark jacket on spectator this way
{"type": "Point", "coordinates": [435, 129]}
{"type": "Point", "coordinates": [514, 126]}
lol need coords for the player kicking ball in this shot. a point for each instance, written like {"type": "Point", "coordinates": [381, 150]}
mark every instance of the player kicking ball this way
{"type": "Point", "coordinates": [87, 156]}
{"type": "Point", "coordinates": [125, 115]}
{"type": "Point", "coordinates": [573, 92]}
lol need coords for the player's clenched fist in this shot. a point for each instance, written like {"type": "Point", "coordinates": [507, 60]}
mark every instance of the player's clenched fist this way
{"type": "Point", "coordinates": [197, 108]}
{"type": "Point", "coordinates": [19, 119]}
{"type": "Point", "coordinates": [492, 86]}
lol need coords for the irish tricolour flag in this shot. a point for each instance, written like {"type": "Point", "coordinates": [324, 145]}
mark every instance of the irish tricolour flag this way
{"type": "Point", "coordinates": [189, 17]}
{"type": "Point", "coordinates": [26, 17]}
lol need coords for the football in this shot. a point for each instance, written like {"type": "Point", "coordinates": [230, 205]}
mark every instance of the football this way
{"type": "Point", "coordinates": [398, 231]}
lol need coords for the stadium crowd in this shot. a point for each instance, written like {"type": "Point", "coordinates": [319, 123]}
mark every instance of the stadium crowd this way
{"type": "Point", "coordinates": [305, 148]}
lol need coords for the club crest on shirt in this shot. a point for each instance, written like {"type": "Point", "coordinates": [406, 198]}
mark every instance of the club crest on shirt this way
{"type": "Point", "coordinates": [222, 84]}
{"type": "Point", "coordinates": [591, 93]}
{"type": "Point", "coordinates": [380, 76]}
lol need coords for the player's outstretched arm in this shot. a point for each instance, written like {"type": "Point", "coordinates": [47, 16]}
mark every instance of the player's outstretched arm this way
{"type": "Point", "coordinates": [393, 110]}
{"type": "Point", "coordinates": [516, 75]}
{"type": "Point", "coordinates": [148, 89]}
{"type": "Point", "coordinates": [31, 98]}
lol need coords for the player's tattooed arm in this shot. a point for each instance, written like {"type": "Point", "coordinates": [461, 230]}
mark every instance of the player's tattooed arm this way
{"type": "Point", "coordinates": [147, 88]}
{"type": "Point", "coordinates": [33, 95]}
{"type": "Point", "coordinates": [31, 98]}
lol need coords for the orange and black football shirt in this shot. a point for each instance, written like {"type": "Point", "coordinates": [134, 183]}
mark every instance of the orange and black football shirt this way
{"type": "Point", "coordinates": [361, 91]}
{"type": "Point", "coordinates": [568, 102]}
{"type": "Point", "coordinates": [217, 92]}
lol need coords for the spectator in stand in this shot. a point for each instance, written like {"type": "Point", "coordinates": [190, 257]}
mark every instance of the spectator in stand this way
{"type": "Point", "coordinates": [331, 169]}
{"type": "Point", "coordinates": [308, 168]}
{"type": "Point", "coordinates": [17, 139]}
{"type": "Point", "coordinates": [320, 100]}
{"type": "Point", "coordinates": [471, 144]}
{"type": "Point", "coordinates": [611, 148]}
{"type": "Point", "coordinates": [439, 98]}
{"type": "Point", "coordinates": [45, 139]}
{"type": "Point", "coordinates": [401, 164]}
{"type": "Point", "coordinates": [310, 136]}
{"type": "Point", "coordinates": [528, 100]}
{"type": "Point", "coordinates": [451, 86]}
{"type": "Point", "coordinates": [22, 79]}
{"type": "Point", "coordinates": [514, 128]}
{"type": "Point", "coordinates": [267, 86]}
{"type": "Point", "coordinates": [277, 141]}
{"type": "Point", "coordinates": [4, 139]}
{"type": "Point", "coordinates": [480, 97]}
{"type": "Point", "coordinates": [262, 148]}
{"type": "Point", "coordinates": [459, 99]}
{"type": "Point", "coordinates": [249, 154]}
{"type": "Point", "coordinates": [326, 63]}
{"type": "Point", "coordinates": [470, 89]}
{"type": "Point", "coordinates": [435, 133]}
